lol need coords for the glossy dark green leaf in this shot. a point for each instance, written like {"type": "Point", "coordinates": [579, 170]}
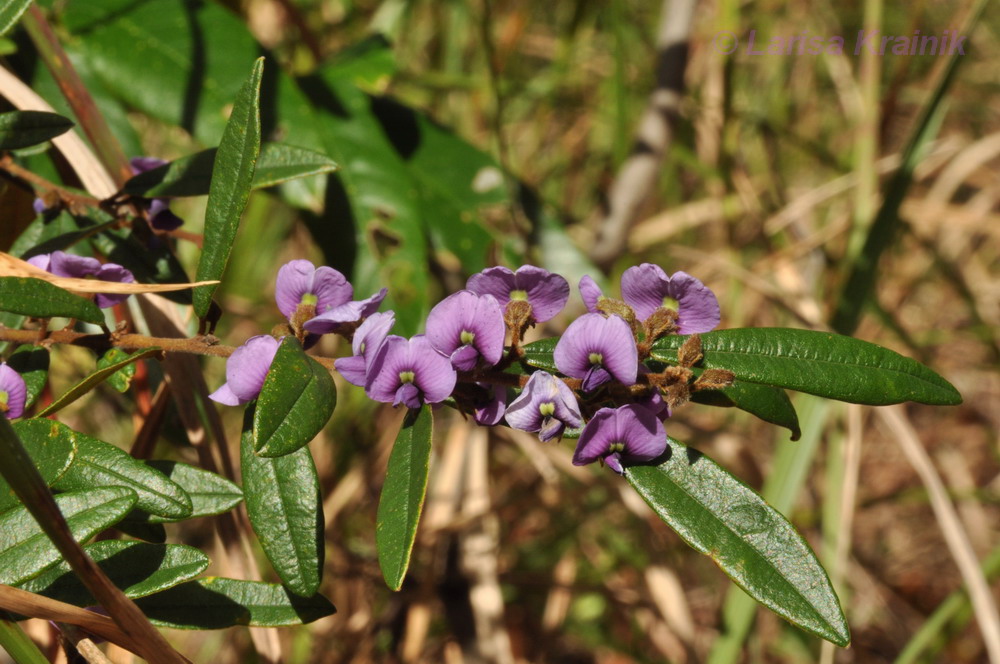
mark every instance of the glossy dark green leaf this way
{"type": "Point", "coordinates": [210, 493]}
{"type": "Point", "coordinates": [402, 498]}
{"type": "Point", "coordinates": [192, 175]}
{"type": "Point", "coordinates": [32, 362]}
{"type": "Point", "coordinates": [295, 403]}
{"type": "Point", "coordinates": [770, 404]}
{"type": "Point", "coordinates": [98, 463]}
{"type": "Point", "coordinates": [121, 379]}
{"type": "Point", "coordinates": [138, 568]}
{"type": "Point", "coordinates": [21, 129]}
{"type": "Point", "coordinates": [539, 354]}
{"type": "Point", "coordinates": [232, 176]}
{"type": "Point", "coordinates": [752, 542]}
{"type": "Point", "coordinates": [25, 551]}
{"type": "Point", "coordinates": [821, 363]}
{"type": "Point", "coordinates": [286, 511]}
{"type": "Point", "coordinates": [40, 299]}
{"type": "Point", "coordinates": [10, 12]}
{"type": "Point", "coordinates": [51, 446]}
{"type": "Point", "coordinates": [93, 380]}
{"type": "Point", "coordinates": [216, 602]}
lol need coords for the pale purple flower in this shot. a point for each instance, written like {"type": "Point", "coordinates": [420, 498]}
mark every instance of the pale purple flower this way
{"type": "Point", "coordinates": [13, 393]}
{"type": "Point", "coordinates": [465, 327]}
{"type": "Point", "coordinates": [491, 410]}
{"type": "Point", "coordinates": [627, 434]}
{"type": "Point", "coordinates": [368, 338]}
{"type": "Point", "coordinates": [544, 291]}
{"type": "Point", "coordinates": [647, 287]}
{"type": "Point", "coordinates": [598, 349]}
{"type": "Point", "coordinates": [62, 264]}
{"type": "Point", "coordinates": [591, 293]}
{"type": "Point", "coordinates": [301, 282]}
{"type": "Point", "coordinates": [160, 216]}
{"type": "Point", "coordinates": [546, 405]}
{"type": "Point", "coordinates": [246, 370]}
{"type": "Point", "coordinates": [410, 372]}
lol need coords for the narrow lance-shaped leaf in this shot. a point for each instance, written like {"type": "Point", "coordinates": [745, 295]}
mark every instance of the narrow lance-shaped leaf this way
{"type": "Point", "coordinates": [215, 603]}
{"type": "Point", "coordinates": [770, 404]}
{"type": "Point", "coordinates": [26, 551]}
{"type": "Point", "coordinates": [51, 446]}
{"type": "Point", "coordinates": [192, 175]}
{"type": "Point", "coordinates": [94, 379]}
{"type": "Point", "coordinates": [232, 177]}
{"type": "Point", "coordinates": [32, 363]}
{"type": "Point", "coordinates": [821, 363]}
{"type": "Point", "coordinates": [22, 129]}
{"type": "Point", "coordinates": [295, 403]}
{"type": "Point", "coordinates": [210, 493]}
{"type": "Point", "coordinates": [286, 511]}
{"type": "Point", "coordinates": [402, 498]}
{"type": "Point", "coordinates": [98, 463]}
{"type": "Point", "coordinates": [138, 568]}
{"type": "Point", "coordinates": [34, 297]}
{"type": "Point", "coordinates": [752, 542]}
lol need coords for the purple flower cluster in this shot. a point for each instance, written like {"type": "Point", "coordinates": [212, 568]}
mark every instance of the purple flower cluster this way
{"type": "Point", "coordinates": [605, 395]}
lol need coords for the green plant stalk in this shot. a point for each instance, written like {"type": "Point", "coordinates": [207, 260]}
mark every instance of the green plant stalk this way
{"type": "Point", "coordinates": [18, 645]}
{"type": "Point", "coordinates": [788, 476]}
{"type": "Point", "coordinates": [17, 468]}
{"type": "Point", "coordinates": [948, 611]}
{"type": "Point", "coordinates": [108, 149]}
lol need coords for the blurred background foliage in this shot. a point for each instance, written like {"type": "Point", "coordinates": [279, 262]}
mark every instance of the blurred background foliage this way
{"type": "Point", "coordinates": [471, 133]}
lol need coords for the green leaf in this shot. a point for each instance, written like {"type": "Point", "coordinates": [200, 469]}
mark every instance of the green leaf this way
{"type": "Point", "coordinates": [93, 380]}
{"type": "Point", "coordinates": [138, 568]}
{"type": "Point", "coordinates": [10, 12]}
{"type": "Point", "coordinates": [539, 354]}
{"type": "Point", "coordinates": [295, 403]}
{"type": "Point", "coordinates": [122, 378]}
{"type": "Point", "coordinates": [232, 176]}
{"type": "Point", "coordinates": [286, 511]}
{"type": "Point", "coordinates": [752, 542]}
{"type": "Point", "coordinates": [25, 551]}
{"type": "Point", "coordinates": [192, 175]}
{"type": "Point", "coordinates": [21, 129]}
{"type": "Point", "coordinates": [210, 493]}
{"type": "Point", "coordinates": [770, 404]}
{"type": "Point", "coordinates": [98, 463]}
{"type": "Point", "coordinates": [34, 297]}
{"type": "Point", "coordinates": [215, 603]}
{"type": "Point", "coordinates": [821, 363]}
{"type": "Point", "coordinates": [32, 362]}
{"type": "Point", "coordinates": [402, 498]}
{"type": "Point", "coordinates": [51, 446]}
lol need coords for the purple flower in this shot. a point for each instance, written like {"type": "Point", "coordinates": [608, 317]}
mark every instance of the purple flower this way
{"type": "Point", "coordinates": [160, 216]}
{"type": "Point", "coordinates": [62, 264]}
{"type": "Point", "coordinates": [13, 393]}
{"type": "Point", "coordinates": [410, 372]}
{"type": "Point", "coordinates": [465, 327]}
{"type": "Point", "coordinates": [546, 405]}
{"type": "Point", "coordinates": [368, 338]}
{"type": "Point", "coordinates": [545, 292]}
{"type": "Point", "coordinates": [246, 370]}
{"type": "Point", "coordinates": [490, 410]}
{"type": "Point", "coordinates": [629, 433]}
{"type": "Point", "coordinates": [591, 293]}
{"type": "Point", "coordinates": [301, 282]}
{"type": "Point", "coordinates": [647, 287]}
{"type": "Point", "coordinates": [597, 349]}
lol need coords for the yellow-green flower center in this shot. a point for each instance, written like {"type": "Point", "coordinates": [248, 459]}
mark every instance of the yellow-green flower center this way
{"type": "Point", "coordinates": [671, 303]}
{"type": "Point", "coordinates": [3, 401]}
{"type": "Point", "coordinates": [518, 295]}
{"type": "Point", "coordinates": [467, 337]}
{"type": "Point", "coordinates": [406, 376]}
{"type": "Point", "coordinates": [595, 358]}
{"type": "Point", "coordinates": [547, 409]}
{"type": "Point", "coordinates": [617, 446]}
{"type": "Point", "coordinates": [309, 298]}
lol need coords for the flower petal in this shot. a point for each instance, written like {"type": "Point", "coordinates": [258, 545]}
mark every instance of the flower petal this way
{"type": "Point", "coordinates": [408, 394]}
{"type": "Point", "coordinates": [295, 279]}
{"type": "Point", "coordinates": [590, 292]}
{"type": "Point", "coordinates": [352, 369]}
{"type": "Point", "coordinates": [161, 217]}
{"type": "Point", "coordinates": [644, 287]}
{"type": "Point", "coordinates": [433, 372]}
{"type": "Point", "coordinates": [617, 347]}
{"type": "Point", "coordinates": [247, 367]}
{"type": "Point", "coordinates": [596, 438]}
{"type": "Point", "coordinates": [383, 371]}
{"type": "Point", "coordinates": [698, 308]}
{"type": "Point", "coordinates": [16, 390]}
{"type": "Point", "coordinates": [641, 431]}
{"type": "Point", "coordinates": [547, 292]}
{"type": "Point", "coordinates": [496, 281]}
{"type": "Point", "coordinates": [331, 289]}
{"type": "Point", "coordinates": [62, 264]}
{"type": "Point", "coordinates": [491, 411]}
{"type": "Point", "coordinates": [225, 396]}
{"type": "Point", "coordinates": [349, 312]}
